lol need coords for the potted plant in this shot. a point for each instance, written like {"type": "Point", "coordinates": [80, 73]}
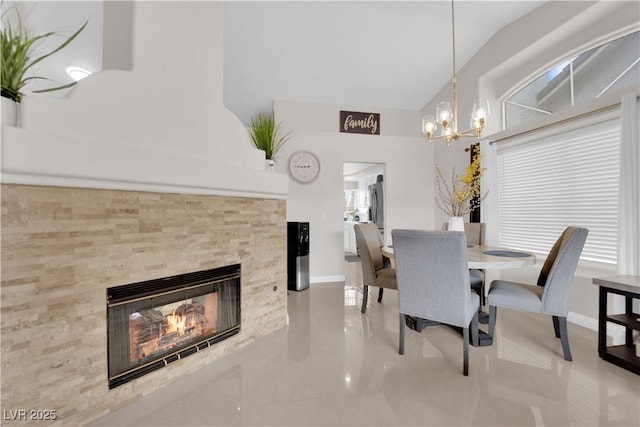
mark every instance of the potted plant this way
{"type": "Point", "coordinates": [266, 135]}
{"type": "Point", "coordinates": [17, 49]}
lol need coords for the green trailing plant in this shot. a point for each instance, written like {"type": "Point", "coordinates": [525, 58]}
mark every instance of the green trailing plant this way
{"type": "Point", "coordinates": [266, 134]}
{"type": "Point", "coordinates": [17, 50]}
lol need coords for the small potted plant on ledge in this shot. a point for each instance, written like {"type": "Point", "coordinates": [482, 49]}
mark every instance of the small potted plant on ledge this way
{"type": "Point", "coordinates": [17, 49]}
{"type": "Point", "coordinates": [461, 196]}
{"type": "Point", "coordinates": [267, 136]}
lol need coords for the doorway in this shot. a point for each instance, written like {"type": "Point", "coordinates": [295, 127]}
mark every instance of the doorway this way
{"type": "Point", "coordinates": [364, 199]}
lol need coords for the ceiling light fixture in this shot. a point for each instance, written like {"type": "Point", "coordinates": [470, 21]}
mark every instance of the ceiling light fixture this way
{"type": "Point", "coordinates": [78, 73]}
{"type": "Point", "coordinates": [447, 118]}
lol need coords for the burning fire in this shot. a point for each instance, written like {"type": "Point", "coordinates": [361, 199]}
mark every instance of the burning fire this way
{"type": "Point", "coordinates": [178, 323]}
{"type": "Point", "coordinates": [170, 326]}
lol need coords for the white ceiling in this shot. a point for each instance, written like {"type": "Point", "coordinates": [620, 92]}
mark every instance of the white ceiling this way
{"type": "Point", "coordinates": [392, 54]}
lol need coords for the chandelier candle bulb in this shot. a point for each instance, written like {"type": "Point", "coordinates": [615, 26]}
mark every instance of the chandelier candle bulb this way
{"type": "Point", "coordinates": [428, 125]}
{"type": "Point", "coordinates": [480, 111]}
{"type": "Point", "coordinates": [443, 111]}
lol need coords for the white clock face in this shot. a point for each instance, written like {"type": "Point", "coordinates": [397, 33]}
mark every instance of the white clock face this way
{"type": "Point", "coordinates": [304, 166]}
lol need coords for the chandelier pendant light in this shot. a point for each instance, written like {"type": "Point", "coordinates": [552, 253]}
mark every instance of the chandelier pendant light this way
{"type": "Point", "coordinates": [448, 118]}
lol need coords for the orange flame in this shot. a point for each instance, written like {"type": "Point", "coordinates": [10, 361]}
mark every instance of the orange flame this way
{"type": "Point", "coordinates": [177, 322]}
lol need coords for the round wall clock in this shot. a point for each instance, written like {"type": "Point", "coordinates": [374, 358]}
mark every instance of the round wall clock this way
{"type": "Point", "coordinates": [304, 166]}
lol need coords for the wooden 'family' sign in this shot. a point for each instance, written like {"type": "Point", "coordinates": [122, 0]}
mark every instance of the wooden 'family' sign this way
{"type": "Point", "coordinates": [355, 122]}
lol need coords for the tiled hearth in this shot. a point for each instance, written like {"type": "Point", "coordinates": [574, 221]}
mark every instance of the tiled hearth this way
{"type": "Point", "coordinates": [63, 247]}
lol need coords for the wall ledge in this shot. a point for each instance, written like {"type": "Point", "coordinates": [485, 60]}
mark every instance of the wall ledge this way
{"type": "Point", "coordinates": [37, 158]}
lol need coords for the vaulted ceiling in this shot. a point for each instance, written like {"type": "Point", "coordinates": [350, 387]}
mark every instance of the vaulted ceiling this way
{"type": "Point", "coordinates": [390, 54]}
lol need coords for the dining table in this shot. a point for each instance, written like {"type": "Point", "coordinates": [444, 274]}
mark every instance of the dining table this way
{"type": "Point", "coordinates": [482, 257]}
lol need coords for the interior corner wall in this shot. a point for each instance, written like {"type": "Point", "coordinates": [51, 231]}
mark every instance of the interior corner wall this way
{"type": "Point", "coordinates": [408, 181]}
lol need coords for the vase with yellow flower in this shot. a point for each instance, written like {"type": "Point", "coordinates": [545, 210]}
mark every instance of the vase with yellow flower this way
{"type": "Point", "coordinates": [461, 195]}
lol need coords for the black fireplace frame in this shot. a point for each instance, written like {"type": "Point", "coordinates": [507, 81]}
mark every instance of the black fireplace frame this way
{"type": "Point", "coordinates": [147, 289]}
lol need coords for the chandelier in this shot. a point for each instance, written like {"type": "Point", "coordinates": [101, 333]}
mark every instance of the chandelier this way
{"type": "Point", "coordinates": [447, 118]}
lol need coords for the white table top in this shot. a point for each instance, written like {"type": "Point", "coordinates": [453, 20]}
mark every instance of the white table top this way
{"type": "Point", "coordinates": [479, 259]}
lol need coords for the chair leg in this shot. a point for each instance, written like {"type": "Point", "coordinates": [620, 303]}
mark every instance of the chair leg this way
{"type": "Point", "coordinates": [465, 351]}
{"type": "Point", "coordinates": [564, 338]}
{"type": "Point", "coordinates": [556, 328]}
{"type": "Point", "coordinates": [365, 297]}
{"type": "Point", "coordinates": [474, 330]}
{"type": "Point", "coordinates": [380, 294]}
{"type": "Point", "coordinates": [403, 319]}
{"type": "Point", "coordinates": [493, 313]}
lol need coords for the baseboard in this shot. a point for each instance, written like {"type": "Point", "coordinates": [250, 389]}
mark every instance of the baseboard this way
{"type": "Point", "coordinates": [615, 332]}
{"type": "Point", "coordinates": [327, 279]}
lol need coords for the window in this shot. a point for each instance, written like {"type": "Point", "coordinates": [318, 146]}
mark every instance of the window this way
{"type": "Point", "coordinates": [568, 178]}
{"type": "Point", "coordinates": [606, 68]}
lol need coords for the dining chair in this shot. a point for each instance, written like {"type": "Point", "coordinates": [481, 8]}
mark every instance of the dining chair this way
{"type": "Point", "coordinates": [375, 272]}
{"type": "Point", "coordinates": [433, 282]}
{"type": "Point", "coordinates": [551, 293]}
{"type": "Point", "coordinates": [474, 231]}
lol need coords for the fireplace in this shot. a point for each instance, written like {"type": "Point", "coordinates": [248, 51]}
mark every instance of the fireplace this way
{"type": "Point", "coordinates": [156, 322]}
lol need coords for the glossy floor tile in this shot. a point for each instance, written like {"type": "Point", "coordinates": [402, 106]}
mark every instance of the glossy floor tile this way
{"type": "Point", "coordinates": [333, 366]}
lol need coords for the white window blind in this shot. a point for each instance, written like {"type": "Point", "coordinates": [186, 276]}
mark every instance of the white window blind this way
{"type": "Point", "coordinates": [567, 179]}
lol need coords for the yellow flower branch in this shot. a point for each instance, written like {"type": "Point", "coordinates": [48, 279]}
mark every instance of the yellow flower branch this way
{"type": "Point", "coordinates": [463, 194]}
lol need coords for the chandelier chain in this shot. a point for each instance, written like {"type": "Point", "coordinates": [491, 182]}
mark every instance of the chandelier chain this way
{"type": "Point", "coordinates": [454, 80]}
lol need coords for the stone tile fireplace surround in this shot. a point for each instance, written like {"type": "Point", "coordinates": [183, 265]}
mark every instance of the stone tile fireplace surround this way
{"type": "Point", "coordinates": [63, 247]}
{"type": "Point", "coordinates": [98, 193]}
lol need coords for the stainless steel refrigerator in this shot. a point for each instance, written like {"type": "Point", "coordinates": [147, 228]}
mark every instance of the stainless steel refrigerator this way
{"type": "Point", "coordinates": [376, 203]}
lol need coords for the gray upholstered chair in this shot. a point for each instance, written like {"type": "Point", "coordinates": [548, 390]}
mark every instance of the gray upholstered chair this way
{"type": "Point", "coordinates": [551, 295]}
{"type": "Point", "coordinates": [375, 272]}
{"type": "Point", "coordinates": [474, 231]}
{"type": "Point", "coordinates": [433, 282]}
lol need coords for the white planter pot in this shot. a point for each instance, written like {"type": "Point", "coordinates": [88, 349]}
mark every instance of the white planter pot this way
{"type": "Point", "coordinates": [456, 223]}
{"type": "Point", "coordinates": [270, 165]}
{"type": "Point", "coordinates": [9, 112]}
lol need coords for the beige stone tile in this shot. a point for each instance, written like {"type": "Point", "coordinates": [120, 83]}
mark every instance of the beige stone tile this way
{"type": "Point", "coordinates": [63, 247]}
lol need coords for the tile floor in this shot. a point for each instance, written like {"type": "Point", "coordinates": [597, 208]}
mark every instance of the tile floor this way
{"type": "Point", "coordinates": [333, 366]}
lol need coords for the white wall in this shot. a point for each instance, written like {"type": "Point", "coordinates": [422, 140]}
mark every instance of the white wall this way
{"type": "Point", "coordinates": [63, 18]}
{"type": "Point", "coordinates": [171, 101]}
{"type": "Point", "coordinates": [408, 178]}
{"type": "Point", "coordinates": [160, 127]}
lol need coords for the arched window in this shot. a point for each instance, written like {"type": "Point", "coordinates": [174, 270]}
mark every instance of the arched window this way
{"type": "Point", "coordinates": [607, 68]}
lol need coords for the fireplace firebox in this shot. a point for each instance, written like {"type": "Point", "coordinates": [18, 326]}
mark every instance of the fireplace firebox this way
{"type": "Point", "coordinates": [156, 322]}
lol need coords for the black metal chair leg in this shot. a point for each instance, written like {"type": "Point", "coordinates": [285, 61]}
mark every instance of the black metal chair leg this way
{"type": "Point", "coordinates": [474, 330]}
{"type": "Point", "coordinates": [555, 326]}
{"type": "Point", "coordinates": [365, 297]}
{"type": "Point", "coordinates": [493, 313]}
{"type": "Point", "coordinates": [380, 294]}
{"type": "Point", "coordinates": [401, 343]}
{"type": "Point", "coordinates": [465, 350]}
{"type": "Point", "coordinates": [564, 338]}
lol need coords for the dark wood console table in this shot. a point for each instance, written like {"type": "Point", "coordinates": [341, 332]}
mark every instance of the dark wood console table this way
{"type": "Point", "coordinates": [629, 287]}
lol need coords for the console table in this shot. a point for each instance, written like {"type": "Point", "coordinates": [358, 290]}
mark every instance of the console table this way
{"type": "Point", "coordinates": [629, 287]}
